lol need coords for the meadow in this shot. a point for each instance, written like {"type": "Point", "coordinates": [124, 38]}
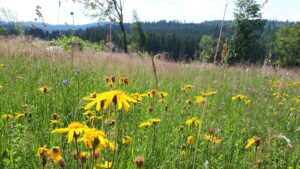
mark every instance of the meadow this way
{"type": "Point", "coordinates": [105, 110]}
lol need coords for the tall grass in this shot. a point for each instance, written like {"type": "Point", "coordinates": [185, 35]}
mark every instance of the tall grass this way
{"type": "Point", "coordinates": [28, 66]}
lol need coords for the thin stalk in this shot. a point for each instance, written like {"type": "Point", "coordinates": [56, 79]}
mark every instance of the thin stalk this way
{"type": "Point", "coordinates": [198, 134]}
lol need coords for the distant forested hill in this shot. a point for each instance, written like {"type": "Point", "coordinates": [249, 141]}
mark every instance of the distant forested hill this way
{"type": "Point", "coordinates": [179, 39]}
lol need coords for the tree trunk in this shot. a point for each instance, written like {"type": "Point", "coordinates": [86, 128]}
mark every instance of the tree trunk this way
{"type": "Point", "coordinates": [124, 37]}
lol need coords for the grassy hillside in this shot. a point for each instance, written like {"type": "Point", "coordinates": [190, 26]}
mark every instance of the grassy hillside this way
{"type": "Point", "coordinates": [200, 116]}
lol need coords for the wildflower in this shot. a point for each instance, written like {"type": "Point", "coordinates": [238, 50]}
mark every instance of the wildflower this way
{"type": "Point", "coordinates": [78, 72]}
{"type": "Point", "coordinates": [151, 93]}
{"type": "Point", "coordinates": [74, 130]}
{"type": "Point", "coordinates": [161, 101]}
{"type": "Point", "coordinates": [186, 87]}
{"type": "Point", "coordinates": [163, 94]}
{"type": "Point", "coordinates": [56, 155]}
{"type": "Point", "coordinates": [105, 165]}
{"type": "Point", "coordinates": [212, 139]}
{"type": "Point", "coordinates": [83, 157]}
{"type": "Point", "coordinates": [1, 87]}
{"type": "Point", "coordinates": [44, 89]}
{"type": "Point", "coordinates": [54, 121]}
{"type": "Point", "coordinates": [150, 109]}
{"type": "Point", "coordinates": [193, 121]}
{"type": "Point", "coordinates": [2, 66]}
{"type": "Point", "coordinates": [190, 140]}
{"type": "Point", "coordinates": [238, 97]}
{"type": "Point", "coordinates": [19, 116]}
{"type": "Point", "coordinates": [118, 97]}
{"type": "Point", "coordinates": [188, 102]}
{"type": "Point", "coordinates": [138, 96]}
{"type": "Point", "coordinates": [43, 152]}
{"type": "Point", "coordinates": [94, 139]}
{"type": "Point", "coordinates": [145, 124]}
{"type": "Point", "coordinates": [54, 116]}
{"type": "Point", "coordinates": [139, 161]}
{"type": "Point", "coordinates": [126, 140]}
{"type": "Point", "coordinates": [154, 121]}
{"type": "Point", "coordinates": [7, 116]}
{"type": "Point", "coordinates": [65, 82]}
{"type": "Point", "coordinates": [110, 121]}
{"type": "Point", "coordinates": [292, 109]}
{"type": "Point", "coordinates": [248, 102]}
{"type": "Point", "coordinates": [123, 80]}
{"type": "Point", "coordinates": [297, 100]}
{"type": "Point", "coordinates": [252, 141]}
{"type": "Point", "coordinates": [209, 93]}
{"type": "Point", "coordinates": [96, 100]}
{"type": "Point", "coordinates": [200, 100]}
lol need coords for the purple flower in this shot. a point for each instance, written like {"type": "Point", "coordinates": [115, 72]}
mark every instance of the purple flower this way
{"type": "Point", "coordinates": [78, 72]}
{"type": "Point", "coordinates": [65, 82]}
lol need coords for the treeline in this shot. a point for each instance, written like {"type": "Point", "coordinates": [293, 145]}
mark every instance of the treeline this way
{"type": "Point", "coordinates": [183, 41]}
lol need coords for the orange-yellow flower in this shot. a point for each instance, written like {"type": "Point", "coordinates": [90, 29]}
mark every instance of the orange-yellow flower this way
{"type": "Point", "coordinates": [105, 165]}
{"type": "Point", "coordinates": [126, 140]}
{"type": "Point", "coordinates": [212, 139]}
{"type": "Point", "coordinates": [44, 89]}
{"type": "Point", "coordinates": [74, 130]}
{"type": "Point", "coordinates": [94, 139]}
{"type": "Point", "coordinates": [55, 154]}
{"type": "Point", "coordinates": [190, 140]}
{"type": "Point", "coordinates": [252, 141]}
{"type": "Point", "coordinates": [200, 100]}
{"type": "Point", "coordinates": [193, 121]}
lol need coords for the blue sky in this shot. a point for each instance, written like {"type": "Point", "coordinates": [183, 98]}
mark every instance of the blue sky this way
{"type": "Point", "coordinates": [150, 10]}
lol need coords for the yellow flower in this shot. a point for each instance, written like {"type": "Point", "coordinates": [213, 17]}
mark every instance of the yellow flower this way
{"type": "Point", "coordinates": [74, 130]}
{"type": "Point", "coordinates": [212, 139]}
{"type": "Point", "coordinates": [292, 109]}
{"type": "Point", "coordinates": [154, 121]}
{"type": "Point", "coordinates": [200, 100]}
{"type": "Point", "coordinates": [7, 116]}
{"type": "Point", "coordinates": [1, 87]}
{"type": "Point", "coordinates": [238, 97]}
{"type": "Point", "coordinates": [209, 93]}
{"type": "Point", "coordinates": [190, 140]}
{"type": "Point", "coordinates": [151, 93]}
{"type": "Point", "coordinates": [123, 80]}
{"type": "Point", "coordinates": [188, 102]}
{"type": "Point", "coordinates": [161, 101]}
{"type": "Point", "coordinates": [94, 139]}
{"type": "Point", "coordinates": [2, 66]}
{"type": "Point", "coordinates": [118, 97]}
{"type": "Point", "coordinates": [297, 100]}
{"type": "Point", "coordinates": [89, 113]}
{"type": "Point", "coordinates": [54, 121]}
{"type": "Point", "coordinates": [145, 124]}
{"type": "Point", "coordinates": [126, 139]}
{"type": "Point", "coordinates": [105, 165]}
{"type": "Point", "coordinates": [55, 154]}
{"type": "Point", "coordinates": [248, 102]}
{"type": "Point", "coordinates": [252, 141]}
{"type": "Point", "coordinates": [186, 87]}
{"type": "Point", "coordinates": [43, 152]}
{"type": "Point", "coordinates": [193, 121]}
{"type": "Point", "coordinates": [97, 100]}
{"type": "Point", "coordinates": [19, 116]}
{"type": "Point", "coordinates": [44, 89]}
{"type": "Point", "coordinates": [83, 156]}
{"type": "Point", "coordinates": [163, 94]}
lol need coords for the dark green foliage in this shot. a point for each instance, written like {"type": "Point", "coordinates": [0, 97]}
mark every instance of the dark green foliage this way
{"type": "Point", "coordinates": [138, 35]}
{"type": "Point", "coordinates": [245, 45]}
{"type": "Point", "coordinates": [287, 46]}
{"type": "Point", "coordinates": [207, 45]}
